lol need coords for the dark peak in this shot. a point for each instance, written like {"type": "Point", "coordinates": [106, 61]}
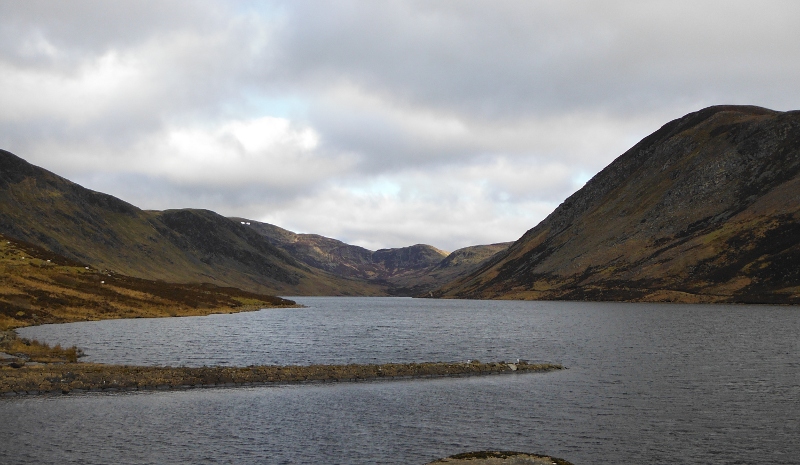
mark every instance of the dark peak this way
{"type": "Point", "coordinates": [416, 247]}
{"type": "Point", "coordinates": [413, 257]}
{"type": "Point", "coordinates": [14, 170]}
{"type": "Point", "coordinates": [705, 113]}
{"type": "Point", "coordinates": [9, 161]}
{"type": "Point", "coordinates": [661, 147]}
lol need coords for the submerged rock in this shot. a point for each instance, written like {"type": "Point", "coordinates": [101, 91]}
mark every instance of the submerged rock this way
{"type": "Point", "coordinates": [500, 458]}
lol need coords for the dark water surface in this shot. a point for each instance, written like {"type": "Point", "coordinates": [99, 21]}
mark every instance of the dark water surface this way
{"type": "Point", "coordinates": [646, 384]}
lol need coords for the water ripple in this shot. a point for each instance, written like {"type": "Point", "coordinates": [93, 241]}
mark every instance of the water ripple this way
{"type": "Point", "coordinates": [654, 384]}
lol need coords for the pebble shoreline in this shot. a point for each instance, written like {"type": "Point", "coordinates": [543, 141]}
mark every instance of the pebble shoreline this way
{"type": "Point", "coordinates": [48, 379]}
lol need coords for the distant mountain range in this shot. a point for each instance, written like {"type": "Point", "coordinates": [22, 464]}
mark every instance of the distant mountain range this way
{"type": "Point", "coordinates": [706, 209]}
{"type": "Point", "coordinates": [191, 245]}
{"type": "Point", "coordinates": [413, 270]}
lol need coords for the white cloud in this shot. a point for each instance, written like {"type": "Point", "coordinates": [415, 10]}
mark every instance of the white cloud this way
{"type": "Point", "coordinates": [267, 151]}
{"type": "Point", "coordinates": [450, 207]}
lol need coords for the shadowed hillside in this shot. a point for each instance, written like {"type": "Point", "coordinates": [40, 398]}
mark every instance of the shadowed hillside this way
{"type": "Point", "coordinates": [706, 209]}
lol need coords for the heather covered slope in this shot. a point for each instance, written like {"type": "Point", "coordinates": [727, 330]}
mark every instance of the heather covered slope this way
{"type": "Point", "coordinates": [49, 211]}
{"type": "Point", "coordinates": [706, 209]}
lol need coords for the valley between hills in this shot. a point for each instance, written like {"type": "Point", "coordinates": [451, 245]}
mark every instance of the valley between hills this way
{"type": "Point", "coordinates": [706, 209]}
{"type": "Point", "coordinates": [196, 246]}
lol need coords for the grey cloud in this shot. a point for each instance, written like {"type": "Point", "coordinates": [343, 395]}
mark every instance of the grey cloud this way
{"type": "Point", "coordinates": [503, 63]}
{"type": "Point", "coordinates": [151, 192]}
{"type": "Point", "coordinates": [88, 27]}
{"type": "Point", "coordinates": [504, 59]}
{"type": "Point", "coordinates": [188, 61]}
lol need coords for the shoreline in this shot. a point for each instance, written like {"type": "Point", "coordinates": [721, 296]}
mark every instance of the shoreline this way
{"type": "Point", "coordinates": [66, 378]}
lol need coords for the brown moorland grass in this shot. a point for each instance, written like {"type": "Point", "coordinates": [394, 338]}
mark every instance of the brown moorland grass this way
{"type": "Point", "coordinates": [38, 287]}
{"type": "Point", "coordinates": [26, 350]}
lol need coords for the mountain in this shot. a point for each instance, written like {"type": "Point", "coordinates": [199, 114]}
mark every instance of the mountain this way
{"type": "Point", "coordinates": [181, 246]}
{"type": "Point", "coordinates": [423, 282]}
{"type": "Point", "coordinates": [192, 246]}
{"type": "Point", "coordinates": [413, 270]}
{"type": "Point", "coordinates": [706, 209]}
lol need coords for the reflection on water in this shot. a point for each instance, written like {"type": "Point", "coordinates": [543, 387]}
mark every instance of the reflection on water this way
{"type": "Point", "coordinates": [646, 384]}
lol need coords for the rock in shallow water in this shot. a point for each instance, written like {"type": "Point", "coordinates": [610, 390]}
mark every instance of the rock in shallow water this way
{"type": "Point", "coordinates": [500, 458]}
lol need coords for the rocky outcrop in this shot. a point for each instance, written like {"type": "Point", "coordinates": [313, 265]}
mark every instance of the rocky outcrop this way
{"type": "Point", "coordinates": [706, 209]}
{"type": "Point", "coordinates": [491, 457]}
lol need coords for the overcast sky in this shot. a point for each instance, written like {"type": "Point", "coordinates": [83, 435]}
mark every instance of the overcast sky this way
{"type": "Point", "coordinates": [379, 123]}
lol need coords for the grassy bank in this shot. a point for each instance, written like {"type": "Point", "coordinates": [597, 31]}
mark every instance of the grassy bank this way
{"type": "Point", "coordinates": [38, 287]}
{"type": "Point", "coordinates": [69, 377]}
{"type": "Point", "coordinates": [19, 351]}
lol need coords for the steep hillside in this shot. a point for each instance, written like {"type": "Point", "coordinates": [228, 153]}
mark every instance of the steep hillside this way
{"type": "Point", "coordinates": [706, 209]}
{"type": "Point", "coordinates": [49, 211]}
{"type": "Point", "coordinates": [407, 271]}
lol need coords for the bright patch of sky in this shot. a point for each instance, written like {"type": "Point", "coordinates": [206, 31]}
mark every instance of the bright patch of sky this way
{"type": "Point", "coordinates": [254, 104]}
